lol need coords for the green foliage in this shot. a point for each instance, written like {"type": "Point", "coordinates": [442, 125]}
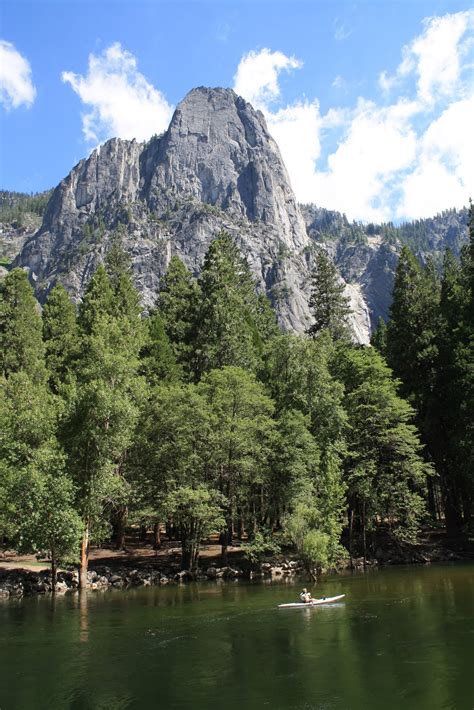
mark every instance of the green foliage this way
{"type": "Point", "coordinates": [294, 458]}
{"type": "Point", "coordinates": [452, 440]}
{"type": "Point", "coordinates": [298, 376]}
{"type": "Point", "coordinates": [27, 416]}
{"type": "Point", "coordinates": [15, 205]}
{"type": "Point", "coordinates": [173, 440]}
{"type": "Point", "coordinates": [429, 346]}
{"type": "Point", "coordinates": [198, 512]}
{"type": "Point", "coordinates": [379, 337]}
{"type": "Point", "coordinates": [158, 361]}
{"type": "Point", "coordinates": [176, 305]}
{"type": "Point", "coordinates": [61, 337]}
{"type": "Point", "coordinates": [384, 470]}
{"type": "Point", "coordinates": [241, 431]}
{"type": "Point", "coordinates": [315, 536]}
{"type": "Point", "coordinates": [21, 344]}
{"type": "Point", "coordinates": [328, 304]}
{"type": "Point", "coordinates": [228, 312]}
{"type": "Point", "coordinates": [411, 346]}
{"type": "Point", "coordinates": [204, 415]}
{"type": "Point", "coordinates": [47, 519]}
{"type": "Point", "coordinates": [97, 301]}
{"type": "Point", "coordinates": [262, 545]}
{"type": "Point", "coordinates": [27, 423]}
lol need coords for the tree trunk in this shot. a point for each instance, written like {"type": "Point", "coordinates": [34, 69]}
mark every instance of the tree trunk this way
{"type": "Point", "coordinates": [351, 530]}
{"type": "Point", "coordinates": [119, 527]}
{"type": "Point", "coordinates": [226, 540]}
{"type": "Point", "coordinates": [143, 533]}
{"type": "Point", "coordinates": [84, 558]}
{"type": "Point", "coordinates": [452, 513]}
{"type": "Point", "coordinates": [364, 537]}
{"type": "Point", "coordinates": [431, 498]}
{"type": "Point", "coordinates": [83, 618]}
{"type": "Point", "coordinates": [224, 543]}
{"type": "Point", "coordinates": [156, 537]}
{"type": "Point", "coordinates": [54, 572]}
{"type": "Point", "coordinates": [185, 555]}
{"type": "Point", "coordinates": [170, 530]}
{"type": "Point", "coordinates": [195, 558]}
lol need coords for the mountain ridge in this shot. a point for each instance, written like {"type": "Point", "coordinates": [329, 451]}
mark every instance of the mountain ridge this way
{"type": "Point", "coordinates": [216, 167]}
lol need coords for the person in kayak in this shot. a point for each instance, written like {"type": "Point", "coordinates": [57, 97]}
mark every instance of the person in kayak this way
{"type": "Point", "coordinates": [305, 596]}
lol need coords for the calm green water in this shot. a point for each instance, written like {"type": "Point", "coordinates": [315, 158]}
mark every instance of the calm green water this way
{"type": "Point", "coordinates": [404, 638]}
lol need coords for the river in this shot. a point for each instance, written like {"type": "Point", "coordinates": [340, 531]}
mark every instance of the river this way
{"type": "Point", "coordinates": [402, 639]}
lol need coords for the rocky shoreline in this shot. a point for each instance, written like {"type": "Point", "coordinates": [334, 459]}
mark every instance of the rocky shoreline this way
{"type": "Point", "coordinates": [19, 582]}
{"type": "Point", "coordinates": [16, 583]}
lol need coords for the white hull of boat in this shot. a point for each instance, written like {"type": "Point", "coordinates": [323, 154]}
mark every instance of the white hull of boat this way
{"type": "Point", "coordinates": [314, 602]}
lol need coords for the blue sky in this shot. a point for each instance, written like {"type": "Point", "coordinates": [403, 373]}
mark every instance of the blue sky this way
{"type": "Point", "coordinates": [371, 103]}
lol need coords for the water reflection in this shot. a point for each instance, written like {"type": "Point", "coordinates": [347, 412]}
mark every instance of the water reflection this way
{"type": "Point", "coordinates": [400, 638]}
{"type": "Point", "coordinates": [83, 617]}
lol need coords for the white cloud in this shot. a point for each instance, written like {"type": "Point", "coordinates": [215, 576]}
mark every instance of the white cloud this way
{"type": "Point", "coordinates": [16, 85]}
{"type": "Point", "coordinates": [378, 144]}
{"type": "Point", "coordinates": [444, 174]}
{"type": "Point", "coordinates": [296, 129]}
{"type": "Point", "coordinates": [257, 75]}
{"type": "Point", "coordinates": [379, 160]}
{"type": "Point", "coordinates": [386, 83]}
{"type": "Point", "coordinates": [123, 103]}
{"type": "Point", "coordinates": [429, 189]}
{"type": "Point", "coordinates": [435, 57]}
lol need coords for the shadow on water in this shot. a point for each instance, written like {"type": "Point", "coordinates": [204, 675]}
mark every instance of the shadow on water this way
{"type": "Point", "coordinates": [402, 638]}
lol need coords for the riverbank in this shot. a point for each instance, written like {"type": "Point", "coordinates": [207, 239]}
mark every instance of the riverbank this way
{"type": "Point", "coordinates": [141, 566]}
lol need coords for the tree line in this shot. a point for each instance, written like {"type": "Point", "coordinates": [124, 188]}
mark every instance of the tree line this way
{"type": "Point", "coordinates": [429, 344]}
{"type": "Point", "coordinates": [203, 415]}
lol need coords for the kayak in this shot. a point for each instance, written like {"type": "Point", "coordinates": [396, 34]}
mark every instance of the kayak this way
{"type": "Point", "coordinates": [313, 602]}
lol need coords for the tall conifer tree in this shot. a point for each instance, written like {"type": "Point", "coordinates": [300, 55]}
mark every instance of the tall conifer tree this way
{"type": "Point", "coordinates": [328, 304]}
{"type": "Point", "coordinates": [176, 305]}
{"type": "Point", "coordinates": [61, 337]}
{"type": "Point", "coordinates": [227, 312]}
{"type": "Point", "coordinates": [102, 419]}
{"type": "Point", "coordinates": [21, 342]}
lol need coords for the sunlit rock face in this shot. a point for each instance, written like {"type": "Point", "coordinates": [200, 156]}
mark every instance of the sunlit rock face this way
{"type": "Point", "coordinates": [216, 167]}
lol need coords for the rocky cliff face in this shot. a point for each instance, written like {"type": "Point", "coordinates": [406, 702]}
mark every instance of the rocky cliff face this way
{"type": "Point", "coordinates": [367, 255]}
{"type": "Point", "coordinates": [216, 167]}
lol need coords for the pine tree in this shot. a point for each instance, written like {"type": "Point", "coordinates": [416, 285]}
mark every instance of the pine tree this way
{"type": "Point", "coordinates": [452, 429]}
{"type": "Point", "coordinates": [384, 470]}
{"type": "Point", "coordinates": [126, 301]}
{"type": "Point", "coordinates": [227, 313]}
{"type": "Point", "coordinates": [158, 361]}
{"type": "Point", "coordinates": [411, 331]}
{"type": "Point", "coordinates": [21, 343]}
{"type": "Point", "coordinates": [176, 306]}
{"type": "Point", "coordinates": [379, 337]}
{"type": "Point", "coordinates": [412, 347]}
{"type": "Point", "coordinates": [97, 301]}
{"type": "Point", "coordinates": [99, 428]}
{"type": "Point", "coordinates": [242, 427]}
{"type": "Point", "coordinates": [328, 304]}
{"type": "Point", "coordinates": [61, 337]}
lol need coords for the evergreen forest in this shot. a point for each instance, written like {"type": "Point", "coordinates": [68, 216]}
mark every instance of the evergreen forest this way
{"type": "Point", "coordinates": [202, 416]}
